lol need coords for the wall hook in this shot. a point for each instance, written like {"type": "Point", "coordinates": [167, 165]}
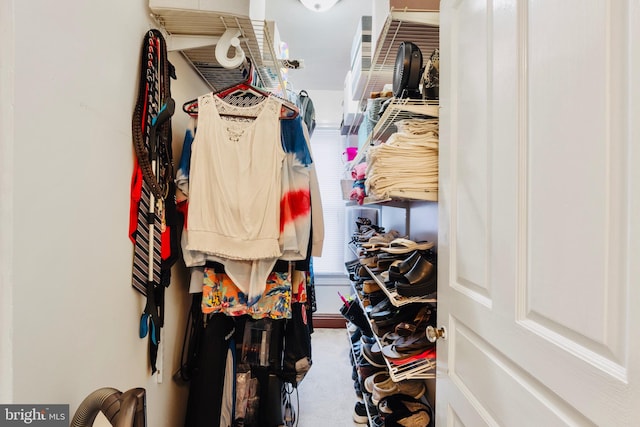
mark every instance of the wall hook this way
{"type": "Point", "coordinates": [230, 38]}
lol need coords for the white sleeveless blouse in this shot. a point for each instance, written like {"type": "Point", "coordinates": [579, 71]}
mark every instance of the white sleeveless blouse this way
{"type": "Point", "coordinates": [235, 185]}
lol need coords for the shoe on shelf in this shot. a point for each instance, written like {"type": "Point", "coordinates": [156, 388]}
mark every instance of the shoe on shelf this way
{"type": "Point", "coordinates": [370, 286]}
{"type": "Point", "coordinates": [354, 373]}
{"type": "Point", "coordinates": [377, 421]}
{"type": "Point", "coordinates": [413, 388]}
{"type": "Point", "coordinates": [360, 413]}
{"type": "Point", "coordinates": [366, 233]}
{"type": "Point", "coordinates": [366, 369]}
{"type": "Point", "coordinates": [404, 246]}
{"type": "Point", "coordinates": [422, 270]}
{"type": "Point", "coordinates": [357, 348]}
{"type": "Point", "coordinates": [383, 324]}
{"type": "Point", "coordinates": [373, 354]}
{"type": "Point", "coordinates": [362, 272]}
{"type": "Point", "coordinates": [381, 240]}
{"type": "Point", "coordinates": [356, 335]}
{"type": "Point", "coordinates": [399, 268]}
{"type": "Point", "coordinates": [367, 340]}
{"type": "Point", "coordinates": [378, 377]}
{"type": "Point", "coordinates": [405, 346]}
{"type": "Point", "coordinates": [421, 280]}
{"type": "Point", "coordinates": [377, 297]}
{"type": "Point", "coordinates": [354, 313]}
{"type": "Point", "coordinates": [417, 326]}
{"type": "Point", "coordinates": [414, 419]}
{"type": "Point", "coordinates": [368, 372]}
{"type": "Point", "coordinates": [402, 404]}
{"type": "Point", "coordinates": [383, 306]}
{"type": "Point", "coordinates": [357, 387]}
{"type": "Point", "coordinates": [351, 328]}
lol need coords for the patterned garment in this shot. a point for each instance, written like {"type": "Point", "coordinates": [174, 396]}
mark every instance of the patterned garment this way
{"type": "Point", "coordinates": [295, 201]}
{"type": "Point", "coordinates": [221, 295]}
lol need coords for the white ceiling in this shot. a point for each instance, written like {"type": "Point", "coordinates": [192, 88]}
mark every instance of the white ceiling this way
{"type": "Point", "coordinates": [322, 39]}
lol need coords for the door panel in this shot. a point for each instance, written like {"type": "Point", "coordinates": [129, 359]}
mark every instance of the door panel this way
{"type": "Point", "coordinates": [502, 390]}
{"type": "Point", "coordinates": [539, 213]}
{"type": "Point", "coordinates": [470, 166]}
{"type": "Point", "coordinates": [570, 162]}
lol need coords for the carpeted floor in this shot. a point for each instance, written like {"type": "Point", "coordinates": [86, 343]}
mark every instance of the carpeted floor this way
{"type": "Point", "coordinates": [326, 394]}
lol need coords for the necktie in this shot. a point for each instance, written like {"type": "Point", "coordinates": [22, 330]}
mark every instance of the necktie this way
{"type": "Point", "coordinates": [140, 276]}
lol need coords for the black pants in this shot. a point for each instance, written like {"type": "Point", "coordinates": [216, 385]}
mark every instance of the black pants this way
{"type": "Point", "coordinates": [207, 383]}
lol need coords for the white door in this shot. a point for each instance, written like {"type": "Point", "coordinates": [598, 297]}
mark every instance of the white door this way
{"type": "Point", "coordinates": [539, 241]}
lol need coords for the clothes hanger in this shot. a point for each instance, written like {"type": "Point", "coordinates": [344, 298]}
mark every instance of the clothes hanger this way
{"type": "Point", "coordinates": [244, 88]}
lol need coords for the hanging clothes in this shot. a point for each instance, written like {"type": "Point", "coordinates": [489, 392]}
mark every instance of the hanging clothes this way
{"type": "Point", "coordinates": [234, 188]}
{"type": "Point", "coordinates": [207, 388]}
{"type": "Point", "coordinates": [253, 221]}
{"type": "Point", "coordinates": [220, 294]}
{"type": "Point", "coordinates": [299, 189]}
{"type": "Point", "coordinates": [283, 288]}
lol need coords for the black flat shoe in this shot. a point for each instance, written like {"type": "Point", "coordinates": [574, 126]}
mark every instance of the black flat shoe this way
{"type": "Point", "coordinates": [421, 271]}
{"type": "Point", "coordinates": [397, 271]}
{"type": "Point", "coordinates": [383, 306]}
{"type": "Point", "coordinates": [420, 289]}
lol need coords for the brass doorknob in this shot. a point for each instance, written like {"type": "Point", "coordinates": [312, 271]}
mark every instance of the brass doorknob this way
{"type": "Point", "coordinates": [433, 334]}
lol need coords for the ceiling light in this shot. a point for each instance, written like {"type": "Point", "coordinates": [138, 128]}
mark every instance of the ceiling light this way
{"type": "Point", "coordinates": [319, 5]}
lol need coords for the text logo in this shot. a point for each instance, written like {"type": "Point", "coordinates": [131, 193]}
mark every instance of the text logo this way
{"type": "Point", "coordinates": [34, 415]}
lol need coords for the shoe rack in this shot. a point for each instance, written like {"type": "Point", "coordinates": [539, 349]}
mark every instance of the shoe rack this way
{"type": "Point", "coordinates": [412, 213]}
{"type": "Point", "coordinates": [394, 298]}
{"type": "Point", "coordinates": [418, 369]}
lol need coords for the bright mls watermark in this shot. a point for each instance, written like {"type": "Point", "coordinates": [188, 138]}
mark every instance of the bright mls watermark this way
{"type": "Point", "coordinates": [34, 415]}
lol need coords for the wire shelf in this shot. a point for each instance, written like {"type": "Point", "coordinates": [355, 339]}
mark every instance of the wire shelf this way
{"type": "Point", "coordinates": [414, 370]}
{"type": "Point", "coordinates": [394, 298]}
{"type": "Point", "coordinates": [254, 35]}
{"type": "Point", "coordinates": [419, 27]}
{"type": "Point", "coordinates": [418, 369]}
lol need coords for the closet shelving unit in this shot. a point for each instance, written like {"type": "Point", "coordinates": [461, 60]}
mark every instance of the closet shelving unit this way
{"type": "Point", "coordinates": [418, 26]}
{"type": "Point", "coordinates": [190, 31]}
{"type": "Point", "coordinates": [422, 28]}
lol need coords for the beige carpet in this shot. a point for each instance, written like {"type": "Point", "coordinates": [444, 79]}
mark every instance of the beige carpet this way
{"type": "Point", "coordinates": [327, 396]}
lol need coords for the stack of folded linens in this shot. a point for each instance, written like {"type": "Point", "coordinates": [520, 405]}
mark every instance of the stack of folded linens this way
{"type": "Point", "coordinates": [406, 162]}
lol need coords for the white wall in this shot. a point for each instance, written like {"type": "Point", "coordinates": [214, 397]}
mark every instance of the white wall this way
{"type": "Point", "coordinates": [69, 315]}
{"type": "Point", "coordinates": [6, 197]}
{"type": "Point", "coordinates": [328, 107]}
